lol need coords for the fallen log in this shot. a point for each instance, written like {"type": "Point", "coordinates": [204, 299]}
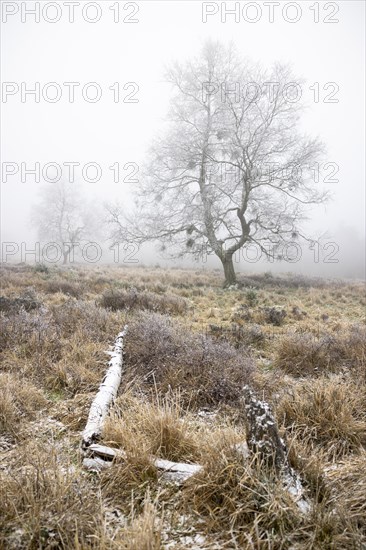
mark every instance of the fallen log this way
{"type": "Point", "coordinates": [263, 438]}
{"type": "Point", "coordinates": [264, 441]}
{"type": "Point", "coordinates": [101, 457]}
{"type": "Point", "coordinates": [106, 394]}
{"type": "Point", "coordinates": [95, 464]}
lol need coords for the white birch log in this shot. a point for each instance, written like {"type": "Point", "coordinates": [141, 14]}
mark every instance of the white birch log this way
{"type": "Point", "coordinates": [106, 393]}
{"type": "Point", "coordinates": [179, 467]}
{"type": "Point", "coordinates": [102, 457]}
{"type": "Point", "coordinates": [107, 453]}
{"type": "Point", "coordinates": [96, 464]}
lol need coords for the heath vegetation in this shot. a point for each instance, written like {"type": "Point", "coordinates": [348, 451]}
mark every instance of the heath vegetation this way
{"type": "Point", "coordinates": [191, 347]}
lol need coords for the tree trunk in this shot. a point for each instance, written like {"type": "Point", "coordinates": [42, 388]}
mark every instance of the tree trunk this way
{"type": "Point", "coordinates": [229, 271]}
{"type": "Point", "coordinates": [264, 441]}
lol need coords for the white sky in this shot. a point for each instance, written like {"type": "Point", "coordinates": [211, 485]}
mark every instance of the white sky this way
{"type": "Point", "coordinates": [107, 52]}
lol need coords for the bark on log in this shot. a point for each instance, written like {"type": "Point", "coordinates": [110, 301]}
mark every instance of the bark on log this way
{"type": "Point", "coordinates": [262, 435]}
{"type": "Point", "coordinates": [264, 440]}
{"type": "Point", "coordinates": [106, 394]}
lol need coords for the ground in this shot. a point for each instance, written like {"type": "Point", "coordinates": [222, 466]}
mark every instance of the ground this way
{"type": "Point", "coordinates": [191, 346]}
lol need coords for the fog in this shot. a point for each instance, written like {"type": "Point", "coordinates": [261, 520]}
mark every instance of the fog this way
{"type": "Point", "coordinates": [134, 55]}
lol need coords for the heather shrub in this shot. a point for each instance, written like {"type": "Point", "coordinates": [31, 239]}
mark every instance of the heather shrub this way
{"type": "Point", "coordinates": [238, 335]}
{"type": "Point", "coordinates": [58, 285]}
{"type": "Point", "coordinates": [30, 333]}
{"type": "Point", "coordinates": [242, 313]}
{"type": "Point", "coordinates": [16, 304]}
{"type": "Point", "coordinates": [133, 299]}
{"type": "Point", "coordinates": [298, 313]}
{"type": "Point", "coordinates": [208, 372]}
{"type": "Point", "coordinates": [274, 315]}
{"type": "Point", "coordinates": [94, 322]}
{"type": "Point", "coordinates": [287, 280]}
{"type": "Point", "coordinates": [41, 268]}
{"type": "Point", "coordinates": [251, 296]}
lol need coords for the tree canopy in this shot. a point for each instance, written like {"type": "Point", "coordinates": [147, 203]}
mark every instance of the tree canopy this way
{"type": "Point", "coordinates": [231, 168]}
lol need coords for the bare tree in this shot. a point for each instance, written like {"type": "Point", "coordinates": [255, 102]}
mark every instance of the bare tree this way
{"type": "Point", "coordinates": [62, 217]}
{"type": "Point", "coordinates": [232, 167]}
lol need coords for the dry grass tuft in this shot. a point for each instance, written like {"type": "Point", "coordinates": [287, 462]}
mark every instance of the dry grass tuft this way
{"type": "Point", "coordinates": [329, 412]}
{"type": "Point", "coordinates": [46, 505]}
{"type": "Point", "coordinates": [143, 531]}
{"type": "Point", "coordinates": [19, 399]}
{"type": "Point", "coordinates": [251, 508]}
{"type": "Point", "coordinates": [130, 477]}
{"type": "Point", "coordinates": [347, 485]}
{"type": "Point", "coordinates": [304, 354]}
{"type": "Point", "coordinates": [242, 500]}
{"type": "Point", "coordinates": [80, 369]}
{"type": "Point", "coordinates": [73, 413]}
{"type": "Point", "coordinates": [161, 428]}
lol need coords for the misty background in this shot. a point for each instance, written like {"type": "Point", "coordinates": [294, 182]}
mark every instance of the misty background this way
{"type": "Point", "coordinates": [107, 132]}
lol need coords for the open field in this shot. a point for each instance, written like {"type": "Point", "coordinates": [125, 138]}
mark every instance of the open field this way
{"type": "Point", "coordinates": [191, 346]}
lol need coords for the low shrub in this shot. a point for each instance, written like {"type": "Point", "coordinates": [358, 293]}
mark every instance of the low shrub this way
{"type": "Point", "coordinates": [94, 322]}
{"type": "Point", "coordinates": [288, 280]}
{"type": "Point", "coordinates": [30, 334]}
{"type": "Point", "coordinates": [27, 301]}
{"type": "Point", "coordinates": [70, 289]}
{"type": "Point", "coordinates": [133, 299]}
{"type": "Point", "coordinates": [41, 268]}
{"type": "Point", "coordinates": [298, 313]}
{"type": "Point", "coordinates": [162, 351]}
{"type": "Point", "coordinates": [274, 315]}
{"type": "Point", "coordinates": [238, 335]}
{"type": "Point", "coordinates": [251, 296]}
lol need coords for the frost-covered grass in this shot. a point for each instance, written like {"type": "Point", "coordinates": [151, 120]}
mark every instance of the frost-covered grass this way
{"type": "Point", "coordinates": [190, 348]}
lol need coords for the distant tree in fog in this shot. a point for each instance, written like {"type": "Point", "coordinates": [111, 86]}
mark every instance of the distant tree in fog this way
{"type": "Point", "coordinates": [232, 167]}
{"type": "Point", "coordinates": [62, 217]}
